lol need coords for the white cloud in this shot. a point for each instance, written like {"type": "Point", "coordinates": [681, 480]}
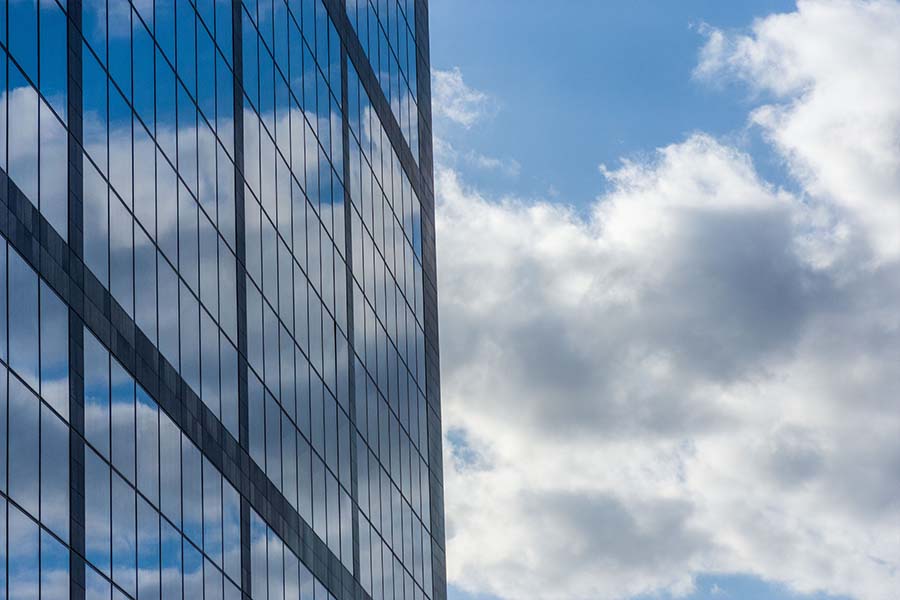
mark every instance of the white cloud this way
{"type": "Point", "coordinates": [448, 155]}
{"type": "Point", "coordinates": [452, 99]}
{"type": "Point", "coordinates": [698, 376]}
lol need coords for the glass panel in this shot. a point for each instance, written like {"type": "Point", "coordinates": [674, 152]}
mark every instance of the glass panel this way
{"type": "Point", "coordinates": [276, 567]}
{"type": "Point", "coordinates": [171, 561]}
{"type": "Point", "coordinates": [121, 255]}
{"type": "Point", "coordinates": [54, 473]}
{"type": "Point", "coordinates": [54, 164]}
{"type": "Point", "coordinates": [168, 319]}
{"type": "Point", "coordinates": [191, 482]}
{"type": "Point", "coordinates": [190, 339]}
{"type": "Point", "coordinates": [148, 552]}
{"type": "Point", "coordinates": [96, 393]}
{"type": "Point", "coordinates": [193, 571]}
{"type": "Point", "coordinates": [145, 283]}
{"type": "Point", "coordinates": [212, 581]}
{"type": "Point", "coordinates": [229, 394]}
{"type": "Point", "coordinates": [54, 568]}
{"type": "Point", "coordinates": [96, 221]}
{"type": "Point", "coordinates": [258, 563]}
{"type": "Point", "coordinates": [54, 351]}
{"type": "Point", "coordinates": [209, 367]}
{"type": "Point", "coordinates": [147, 446]}
{"type": "Point", "coordinates": [212, 512]}
{"type": "Point", "coordinates": [231, 505]}
{"type": "Point", "coordinates": [22, 556]}
{"type": "Point", "coordinates": [97, 511]}
{"type": "Point", "coordinates": [124, 535]}
{"type": "Point", "coordinates": [170, 476]}
{"type": "Point", "coordinates": [96, 587]}
{"type": "Point", "coordinates": [123, 427]}
{"type": "Point", "coordinates": [23, 320]}
{"type": "Point", "coordinates": [3, 431]}
{"type": "Point", "coordinates": [23, 445]}
{"type": "Point", "coordinates": [3, 316]}
{"type": "Point", "coordinates": [23, 133]}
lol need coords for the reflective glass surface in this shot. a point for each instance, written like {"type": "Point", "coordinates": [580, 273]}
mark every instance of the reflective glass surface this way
{"type": "Point", "coordinates": [247, 335]}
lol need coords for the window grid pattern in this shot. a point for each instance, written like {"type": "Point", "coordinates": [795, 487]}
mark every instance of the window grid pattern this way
{"type": "Point", "coordinates": [34, 434]}
{"type": "Point", "coordinates": [295, 257]}
{"type": "Point", "coordinates": [159, 181]}
{"type": "Point", "coordinates": [387, 31]}
{"type": "Point", "coordinates": [157, 142]}
{"type": "Point", "coordinates": [160, 519]}
{"type": "Point", "coordinates": [391, 428]}
{"type": "Point", "coordinates": [33, 110]}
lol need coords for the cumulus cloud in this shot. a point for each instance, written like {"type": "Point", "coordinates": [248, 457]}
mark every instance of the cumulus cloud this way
{"type": "Point", "coordinates": [455, 101]}
{"type": "Point", "coordinates": [699, 374]}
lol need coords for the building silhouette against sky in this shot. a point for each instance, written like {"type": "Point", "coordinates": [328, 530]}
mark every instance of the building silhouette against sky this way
{"type": "Point", "coordinates": [218, 314]}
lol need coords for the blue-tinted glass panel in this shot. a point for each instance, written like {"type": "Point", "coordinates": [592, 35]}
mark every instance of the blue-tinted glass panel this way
{"type": "Point", "coordinates": [97, 512]}
{"type": "Point", "coordinates": [23, 320]}
{"type": "Point", "coordinates": [22, 555]}
{"type": "Point", "coordinates": [96, 394]}
{"type": "Point", "coordinates": [54, 351]}
{"type": "Point", "coordinates": [54, 568]}
{"type": "Point", "coordinates": [54, 473]}
{"type": "Point", "coordinates": [24, 414]}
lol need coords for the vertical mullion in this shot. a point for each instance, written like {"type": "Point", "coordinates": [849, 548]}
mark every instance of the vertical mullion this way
{"type": "Point", "coordinates": [237, 56]}
{"type": "Point", "coordinates": [75, 266]}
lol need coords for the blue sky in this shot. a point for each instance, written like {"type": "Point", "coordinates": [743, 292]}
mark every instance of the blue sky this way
{"type": "Point", "coordinates": [613, 82]}
{"type": "Point", "coordinates": [564, 87]}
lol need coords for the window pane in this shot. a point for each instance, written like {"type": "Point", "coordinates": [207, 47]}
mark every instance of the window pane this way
{"type": "Point", "coordinates": [3, 322]}
{"type": "Point", "coordinates": [276, 567]}
{"type": "Point", "coordinates": [229, 393]}
{"type": "Point", "coordinates": [171, 561]}
{"type": "Point", "coordinates": [124, 535]}
{"type": "Point", "coordinates": [23, 320]}
{"type": "Point", "coordinates": [54, 351]}
{"type": "Point", "coordinates": [190, 339]}
{"type": "Point", "coordinates": [96, 221]}
{"type": "Point", "coordinates": [23, 446]}
{"type": "Point", "coordinates": [212, 581]}
{"type": "Point", "coordinates": [148, 552]}
{"type": "Point", "coordinates": [54, 568]}
{"type": "Point", "coordinates": [191, 482]}
{"type": "Point", "coordinates": [97, 511]}
{"type": "Point", "coordinates": [54, 164]}
{"type": "Point", "coordinates": [147, 421]}
{"type": "Point", "coordinates": [121, 255]}
{"type": "Point", "coordinates": [212, 512]}
{"type": "Point", "coordinates": [193, 571]}
{"type": "Point", "coordinates": [209, 367]}
{"type": "Point", "coordinates": [209, 272]}
{"type": "Point", "coordinates": [258, 564]}
{"type": "Point", "coordinates": [257, 421]}
{"type": "Point", "coordinates": [54, 473]}
{"type": "Point", "coordinates": [22, 556]}
{"type": "Point", "coordinates": [96, 393]}
{"type": "Point", "coordinates": [145, 284]}
{"type": "Point", "coordinates": [168, 319]}
{"type": "Point", "coordinates": [3, 431]}
{"type": "Point", "coordinates": [170, 476]}
{"type": "Point", "coordinates": [96, 587]}
{"type": "Point", "coordinates": [231, 505]}
{"type": "Point", "coordinates": [188, 239]}
{"type": "Point", "coordinates": [23, 134]}
{"type": "Point", "coordinates": [122, 408]}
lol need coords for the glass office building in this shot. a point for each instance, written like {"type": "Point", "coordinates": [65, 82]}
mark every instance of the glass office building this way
{"type": "Point", "coordinates": [218, 315]}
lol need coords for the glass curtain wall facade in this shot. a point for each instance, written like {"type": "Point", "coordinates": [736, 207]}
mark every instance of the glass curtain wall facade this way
{"type": "Point", "coordinates": [219, 373]}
